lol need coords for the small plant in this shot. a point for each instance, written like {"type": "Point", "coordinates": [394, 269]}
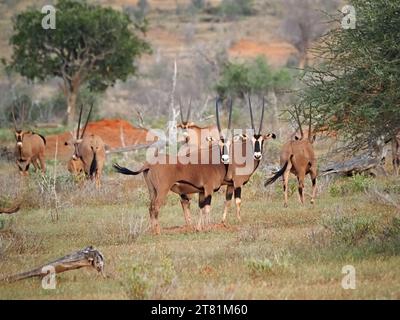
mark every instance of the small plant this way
{"type": "Point", "coordinates": [262, 267]}
{"type": "Point", "coordinates": [165, 277]}
{"type": "Point", "coordinates": [138, 283]}
{"type": "Point", "coordinates": [258, 266]}
{"type": "Point", "coordinates": [350, 231]}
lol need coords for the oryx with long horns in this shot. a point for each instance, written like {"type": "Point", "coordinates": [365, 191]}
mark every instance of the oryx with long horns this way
{"type": "Point", "coordinates": [192, 134]}
{"type": "Point", "coordinates": [89, 152]}
{"type": "Point", "coordinates": [203, 176]}
{"type": "Point", "coordinates": [298, 157]}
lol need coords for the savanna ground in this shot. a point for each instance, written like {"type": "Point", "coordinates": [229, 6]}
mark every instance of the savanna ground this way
{"type": "Point", "coordinates": [275, 253]}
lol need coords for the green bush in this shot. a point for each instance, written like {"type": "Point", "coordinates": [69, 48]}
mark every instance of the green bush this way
{"type": "Point", "coordinates": [347, 186]}
{"type": "Point", "coordinates": [235, 8]}
{"type": "Point", "coordinates": [350, 231]}
{"type": "Point", "coordinates": [138, 284]}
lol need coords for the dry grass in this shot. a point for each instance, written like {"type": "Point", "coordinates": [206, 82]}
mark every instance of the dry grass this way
{"type": "Point", "coordinates": [294, 253]}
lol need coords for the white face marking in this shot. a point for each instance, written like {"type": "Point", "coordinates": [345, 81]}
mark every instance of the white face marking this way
{"type": "Point", "coordinates": [225, 158]}
{"type": "Point", "coordinates": [19, 144]}
{"type": "Point", "coordinates": [257, 154]}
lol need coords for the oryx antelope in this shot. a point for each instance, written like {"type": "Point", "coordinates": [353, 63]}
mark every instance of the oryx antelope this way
{"type": "Point", "coordinates": [186, 178]}
{"type": "Point", "coordinates": [246, 156]}
{"type": "Point", "coordinates": [89, 153]}
{"type": "Point", "coordinates": [298, 157]}
{"type": "Point", "coordinates": [396, 153]}
{"type": "Point", "coordinates": [192, 134]}
{"type": "Point", "coordinates": [29, 149]}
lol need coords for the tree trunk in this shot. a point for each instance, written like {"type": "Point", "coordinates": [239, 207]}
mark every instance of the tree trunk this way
{"type": "Point", "coordinates": [71, 106]}
{"type": "Point", "coordinates": [70, 88]}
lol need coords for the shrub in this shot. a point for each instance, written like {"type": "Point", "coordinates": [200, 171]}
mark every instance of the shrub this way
{"type": "Point", "coordinates": [138, 284]}
{"type": "Point", "coordinates": [350, 231]}
{"type": "Point", "coordinates": [355, 184]}
{"type": "Point", "coordinates": [235, 8]}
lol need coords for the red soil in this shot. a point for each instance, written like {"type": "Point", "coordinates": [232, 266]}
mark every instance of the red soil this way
{"type": "Point", "coordinates": [277, 53]}
{"type": "Point", "coordinates": [109, 130]}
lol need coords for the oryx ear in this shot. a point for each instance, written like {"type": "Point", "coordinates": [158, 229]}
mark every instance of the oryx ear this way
{"type": "Point", "coordinates": [243, 136]}
{"type": "Point", "coordinates": [179, 126]}
{"type": "Point", "coordinates": [79, 141]}
{"type": "Point", "coordinates": [296, 138]}
{"type": "Point", "coordinates": [270, 136]}
{"type": "Point", "coordinates": [210, 139]}
{"type": "Point", "coordinates": [236, 138]}
{"type": "Point", "coordinates": [190, 124]}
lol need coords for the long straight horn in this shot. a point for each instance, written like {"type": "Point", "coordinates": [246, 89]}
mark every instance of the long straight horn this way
{"type": "Point", "coordinates": [189, 110]}
{"type": "Point", "coordinates": [217, 114]}
{"type": "Point", "coordinates": [230, 113]}
{"type": "Point", "coordinates": [251, 112]}
{"type": "Point", "coordinates": [87, 120]}
{"type": "Point", "coordinates": [79, 122]}
{"type": "Point", "coordinates": [181, 110]}
{"type": "Point", "coordinates": [262, 115]}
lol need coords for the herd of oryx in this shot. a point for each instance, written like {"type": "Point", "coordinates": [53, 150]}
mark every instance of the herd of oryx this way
{"type": "Point", "coordinates": [238, 157]}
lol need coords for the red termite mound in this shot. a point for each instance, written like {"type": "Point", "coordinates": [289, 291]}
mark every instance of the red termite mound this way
{"type": "Point", "coordinates": [115, 132]}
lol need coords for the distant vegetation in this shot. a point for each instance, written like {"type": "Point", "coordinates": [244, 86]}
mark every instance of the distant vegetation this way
{"type": "Point", "coordinates": [355, 90]}
{"type": "Point", "coordinates": [91, 46]}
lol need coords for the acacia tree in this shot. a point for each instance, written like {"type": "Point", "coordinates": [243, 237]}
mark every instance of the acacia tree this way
{"type": "Point", "coordinates": [355, 91]}
{"type": "Point", "coordinates": [91, 45]}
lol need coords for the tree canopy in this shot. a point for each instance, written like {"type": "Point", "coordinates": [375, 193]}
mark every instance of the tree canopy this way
{"type": "Point", "coordinates": [91, 45]}
{"type": "Point", "coordinates": [251, 77]}
{"type": "Point", "coordinates": [355, 90]}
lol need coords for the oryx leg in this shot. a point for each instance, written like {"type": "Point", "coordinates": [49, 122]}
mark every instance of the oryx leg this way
{"type": "Point", "coordinates": [228, 201]}
{"type": "Point", "coordinates": [286, 182]}
{"type": "Point", "coordinates": [42, 162]}
{"type": "Point", "coordinates": [35, 164]}
{"type": "Point", "coordinates": [300, 177]}
{"type": "Point", "coordinates": [185, 202]}
{"type": "Point", "coordinates": [238, 202]}
{"type": "Point", "coordinates": [157, 198]}
{"type": "Point", "coordinates": [204, 204]}
{"type": "Point", "coordinates": [97, 179]}
{"type": "Point", "coordinates": [313, 175]}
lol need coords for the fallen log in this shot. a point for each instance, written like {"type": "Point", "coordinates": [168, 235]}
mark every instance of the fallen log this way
{"type": "Point", "coordinates": [352, 166]}
{"type": "Point", "coordinates": [10, 210]}
{"type": "Point", "coordinates": [88, 257]}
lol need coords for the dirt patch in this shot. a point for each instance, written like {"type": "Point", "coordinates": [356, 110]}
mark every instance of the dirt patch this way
{"type": "Point", "coordinates": [277, 53]}
{"type": "Point", "coordinates": [115, 132]}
